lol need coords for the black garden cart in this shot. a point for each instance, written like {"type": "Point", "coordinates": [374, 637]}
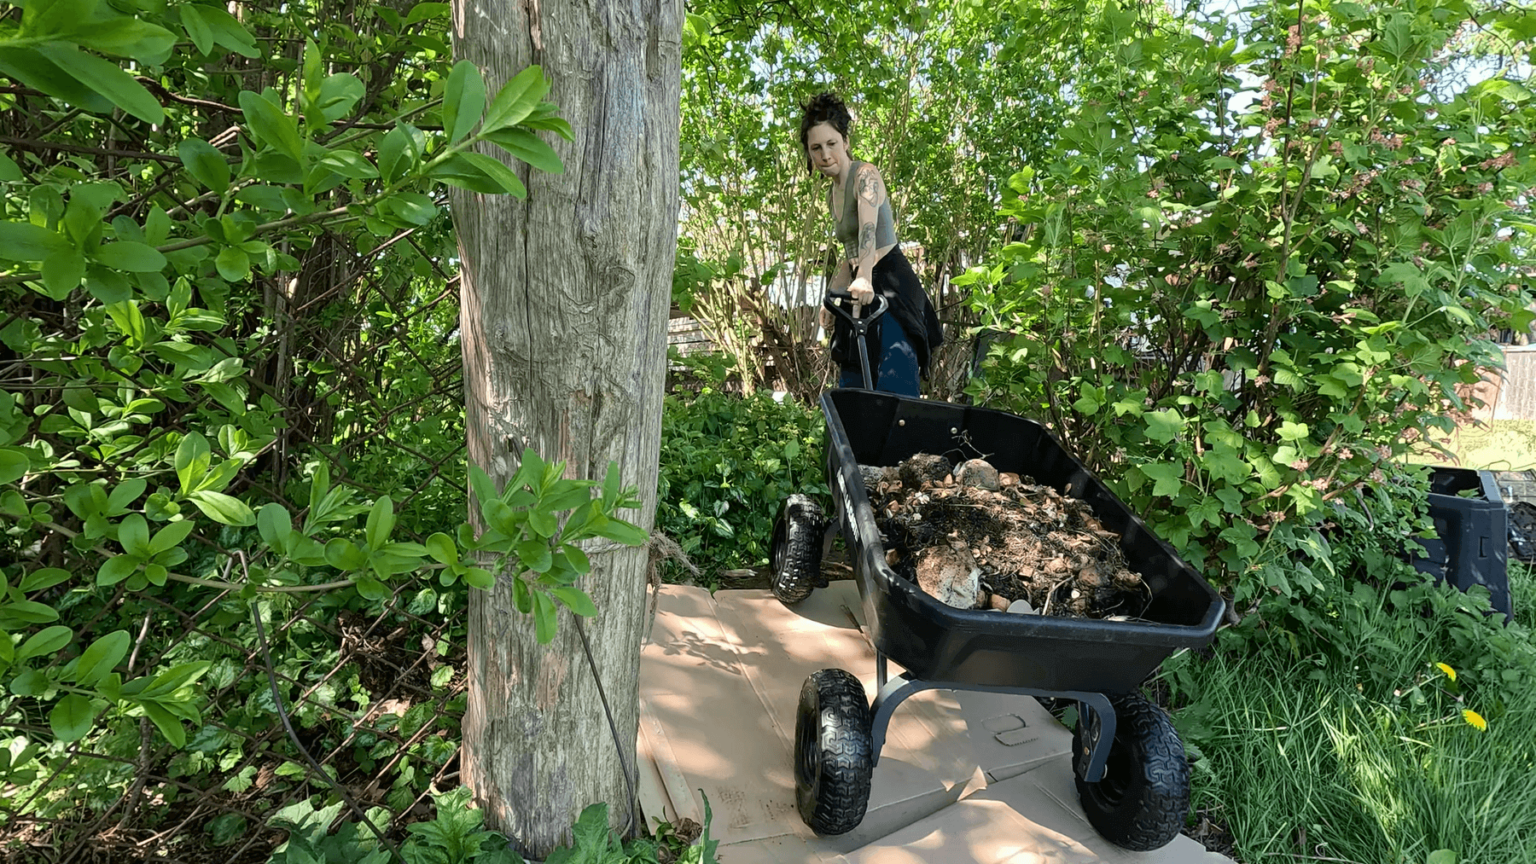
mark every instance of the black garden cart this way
{"type": "Point", "coordinates": [1130, 767]}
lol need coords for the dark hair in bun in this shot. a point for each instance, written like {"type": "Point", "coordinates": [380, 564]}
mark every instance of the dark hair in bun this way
{"type": "Point", "coordinates": [823, 108]}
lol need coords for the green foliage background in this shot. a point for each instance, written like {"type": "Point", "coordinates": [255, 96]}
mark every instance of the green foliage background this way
{"type": "Point", "coordinates": [230, 377]}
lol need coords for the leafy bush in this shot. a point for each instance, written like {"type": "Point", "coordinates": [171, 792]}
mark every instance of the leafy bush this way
{"type": "Point", "coordinates": [1239, 317]}
{"type": "Point", "coordinates": [727, 464]}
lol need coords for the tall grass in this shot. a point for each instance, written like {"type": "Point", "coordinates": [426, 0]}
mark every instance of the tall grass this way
{"type": "Point", "coordinates": [1522, 593]}
{"type": "Point", "coordinates": [1304, 766]}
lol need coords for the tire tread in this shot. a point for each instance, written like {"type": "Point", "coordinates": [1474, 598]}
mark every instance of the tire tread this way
{"type": "Point", "coordinates": [835, 802]}
{"type": "Point", "coordinates": [797, 578]}
{"type": "Point", "coordinates": [1154, 808]}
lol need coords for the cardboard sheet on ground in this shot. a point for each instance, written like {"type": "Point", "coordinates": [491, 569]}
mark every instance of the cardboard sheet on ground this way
{"type": "Point", "coordinates": [963, 777]}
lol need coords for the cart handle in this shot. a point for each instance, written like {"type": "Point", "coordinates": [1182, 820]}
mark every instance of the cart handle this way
{"type": "Point", "coordinates": [832, 302]}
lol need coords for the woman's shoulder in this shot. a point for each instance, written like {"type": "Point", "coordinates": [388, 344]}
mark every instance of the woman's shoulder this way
{"type": "Point", "coordinates": [865, 169]}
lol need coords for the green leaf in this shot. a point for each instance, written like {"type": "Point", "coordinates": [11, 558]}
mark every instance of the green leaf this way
{"type": "Point", "coordinates": [381, 521]}
{"type": "Point", "coordinates": [576, 600]}
{"type": "Point", "coordinates": [191, 462]}
{"type": "Point", "coordinates": [1441, 856]}
{"type": "Point", "coordinates": [13, 466]}
{"type": "Point", "coordinates": [170, 536]}
{"type": "Point", "coordinates": [591, 831]}
{"type": "Point", "coordinates": [528, 147]}
{"type": "Point", "coordinates": [133, 534]}
{"type": "Point", "coordinates": [1169, 477]}
{"type": "Point", "coordinates": [458, 170]}
{"type": "Point", "coordinates": [498, 172]}
{"type": "Point", "coordinates": [623, 532]}
{"type": "Point", "coordinates": [476, 577]}
{"type": "Point", "coordinates": [227, 31]}
{"type": "Point", "coordinates": [62, 272]}
{"type": "Point", "coordinates": [233, 264]}
{"type": "Point", "coordinates": [10, 172]}
{"type": "Point", "coordinates": [223, 508]}
{"type": "Point", "coordinates": [128, 37]}
{"type": "Point", "coordinates": [481, 484]}
{"type": "Point", "coordinates": [1290, 431]}
{"type": "Point", "coordinates": [350, 164]}
{"type": "Point", "coordinates": [442, 549]}
{"type": "Point", "coordinates": [129, 320]}
{"type": "Point", "coordinates": [516, 99]}
{"type": "Point", "coordinates": [132, 257]}
{"type": "Point", "coordinates": [426, 11]}
{"type": "Point", "coordinates": [102, 657]}
{"type": "Point", "coordinates": [105, 78]}
{"type": "Point", "coordinates": [23, 241]}
{"type": "Point", "coordinates": [205, 163]}
{"type": "Point", "coordinates": [1163, 426]}
{"type": "Point", "coordinates": [544, 617]}
{"type": "Point", "coordinates": [38, 72]}
{"type": "Point", "coordinates": [371, 588]}
{"type": "Point", "coordinates": [168, 724]}
{"type": "Point", "coordinates": [116, 569]}
{"type": "Point", "coordinates": [463, 100]}
{"type": "Point", "coordinates": [45, 642]}
{"type": "Point", "coordinates": [535, 555]}
{"type": "Point", "coordinates": [275, 525]}
{"type": "Point", "coordinates": [272, 126]}
{"type": "Point", "coordinates": [47, 577]}
{"type": "Point", "coordinates": [226, 829]}
{"type": "Point", "coordinates": [71, 718]}
{"type": "Point", "coordinates": [197, 29]}
{"type": "Point", "coordinates": [339, 94]}
{"type": "Point", "coordinates": [399, 151]}
{"type": "Point", "coordinates": [344, 555]}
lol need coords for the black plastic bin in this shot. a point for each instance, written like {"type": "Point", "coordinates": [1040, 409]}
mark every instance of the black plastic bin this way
{"type": "Point", "coordinates": [1472, 548]}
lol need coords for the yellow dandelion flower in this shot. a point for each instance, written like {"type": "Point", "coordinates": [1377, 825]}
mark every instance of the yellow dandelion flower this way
{"type": "Point", "coordinates": [1449, 672]}
{"type": "Point", "coordinates": [1475, 719]}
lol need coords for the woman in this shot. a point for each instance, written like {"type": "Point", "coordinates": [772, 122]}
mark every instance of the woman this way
{"type": "Point", "coordinates": [901, 341]}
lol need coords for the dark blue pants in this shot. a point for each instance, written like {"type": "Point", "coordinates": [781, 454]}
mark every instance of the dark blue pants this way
{"type": "Point", "coordinates": [893, 362]}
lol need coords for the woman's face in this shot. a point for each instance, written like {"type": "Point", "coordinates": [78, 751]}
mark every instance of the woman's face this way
{"type": "Point", "coordinates": [828, 149]}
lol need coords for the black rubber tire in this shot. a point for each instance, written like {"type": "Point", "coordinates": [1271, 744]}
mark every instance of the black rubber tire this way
{"type": "Point", "coordinates": [1143, 798]}
{"type": "Point", "coordinates": [796, 549]}
{"type": "Point", "coordinates": [834, 752]}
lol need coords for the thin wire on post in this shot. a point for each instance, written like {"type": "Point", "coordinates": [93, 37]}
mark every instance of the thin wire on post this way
{"type": "Point", "coordinates": [634, 805]}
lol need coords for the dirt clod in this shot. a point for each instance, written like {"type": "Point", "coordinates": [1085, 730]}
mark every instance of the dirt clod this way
{"type": "Point", "coordinates": [978, 473]}
{"type": "Point", "coordinates": [974, 538]}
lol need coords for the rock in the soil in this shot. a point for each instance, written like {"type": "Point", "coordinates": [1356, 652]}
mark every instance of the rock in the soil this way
{"type": "Point", "coordinates": [873, 476]}
{"type": "Point", "coordinates": [924, 468]}
{"type": "Point", "coordinates": [998, 602]}
{"type": "Point", "coordinates": [950, 575]}
{"type": "Point", "coordinates": [978, 473]}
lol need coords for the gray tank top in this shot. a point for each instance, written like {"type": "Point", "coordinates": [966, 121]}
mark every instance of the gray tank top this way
{"type": "Point", "coordinates": [847, 228]}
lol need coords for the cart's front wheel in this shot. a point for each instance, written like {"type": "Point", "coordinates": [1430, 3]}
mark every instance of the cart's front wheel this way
{"type": "Point", "coordinates": [834, 753]}
{"type": "Point", "coordinates": [796, 550]}
{"type": "Point", "coordinates": [1141, 802]}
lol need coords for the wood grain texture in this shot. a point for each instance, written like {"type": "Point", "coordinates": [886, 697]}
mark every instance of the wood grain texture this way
{"type": "Point", "coordinates": [565, 300]}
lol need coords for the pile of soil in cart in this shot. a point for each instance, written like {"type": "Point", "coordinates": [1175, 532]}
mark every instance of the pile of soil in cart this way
{"type": "Point", "coordinates": [974, 538]}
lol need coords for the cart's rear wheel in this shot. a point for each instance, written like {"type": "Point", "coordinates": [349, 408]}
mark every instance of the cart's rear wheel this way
{"type": "Point", "coordinates": [834, 752]}
{"type": "Point", "coordinates": [796, 550]}
{"type": "Point", "coordinates": [1141, 802]}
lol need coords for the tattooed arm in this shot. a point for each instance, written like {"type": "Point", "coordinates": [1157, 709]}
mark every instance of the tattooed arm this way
{"type": "Point", "coordinates": [871, 191]}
